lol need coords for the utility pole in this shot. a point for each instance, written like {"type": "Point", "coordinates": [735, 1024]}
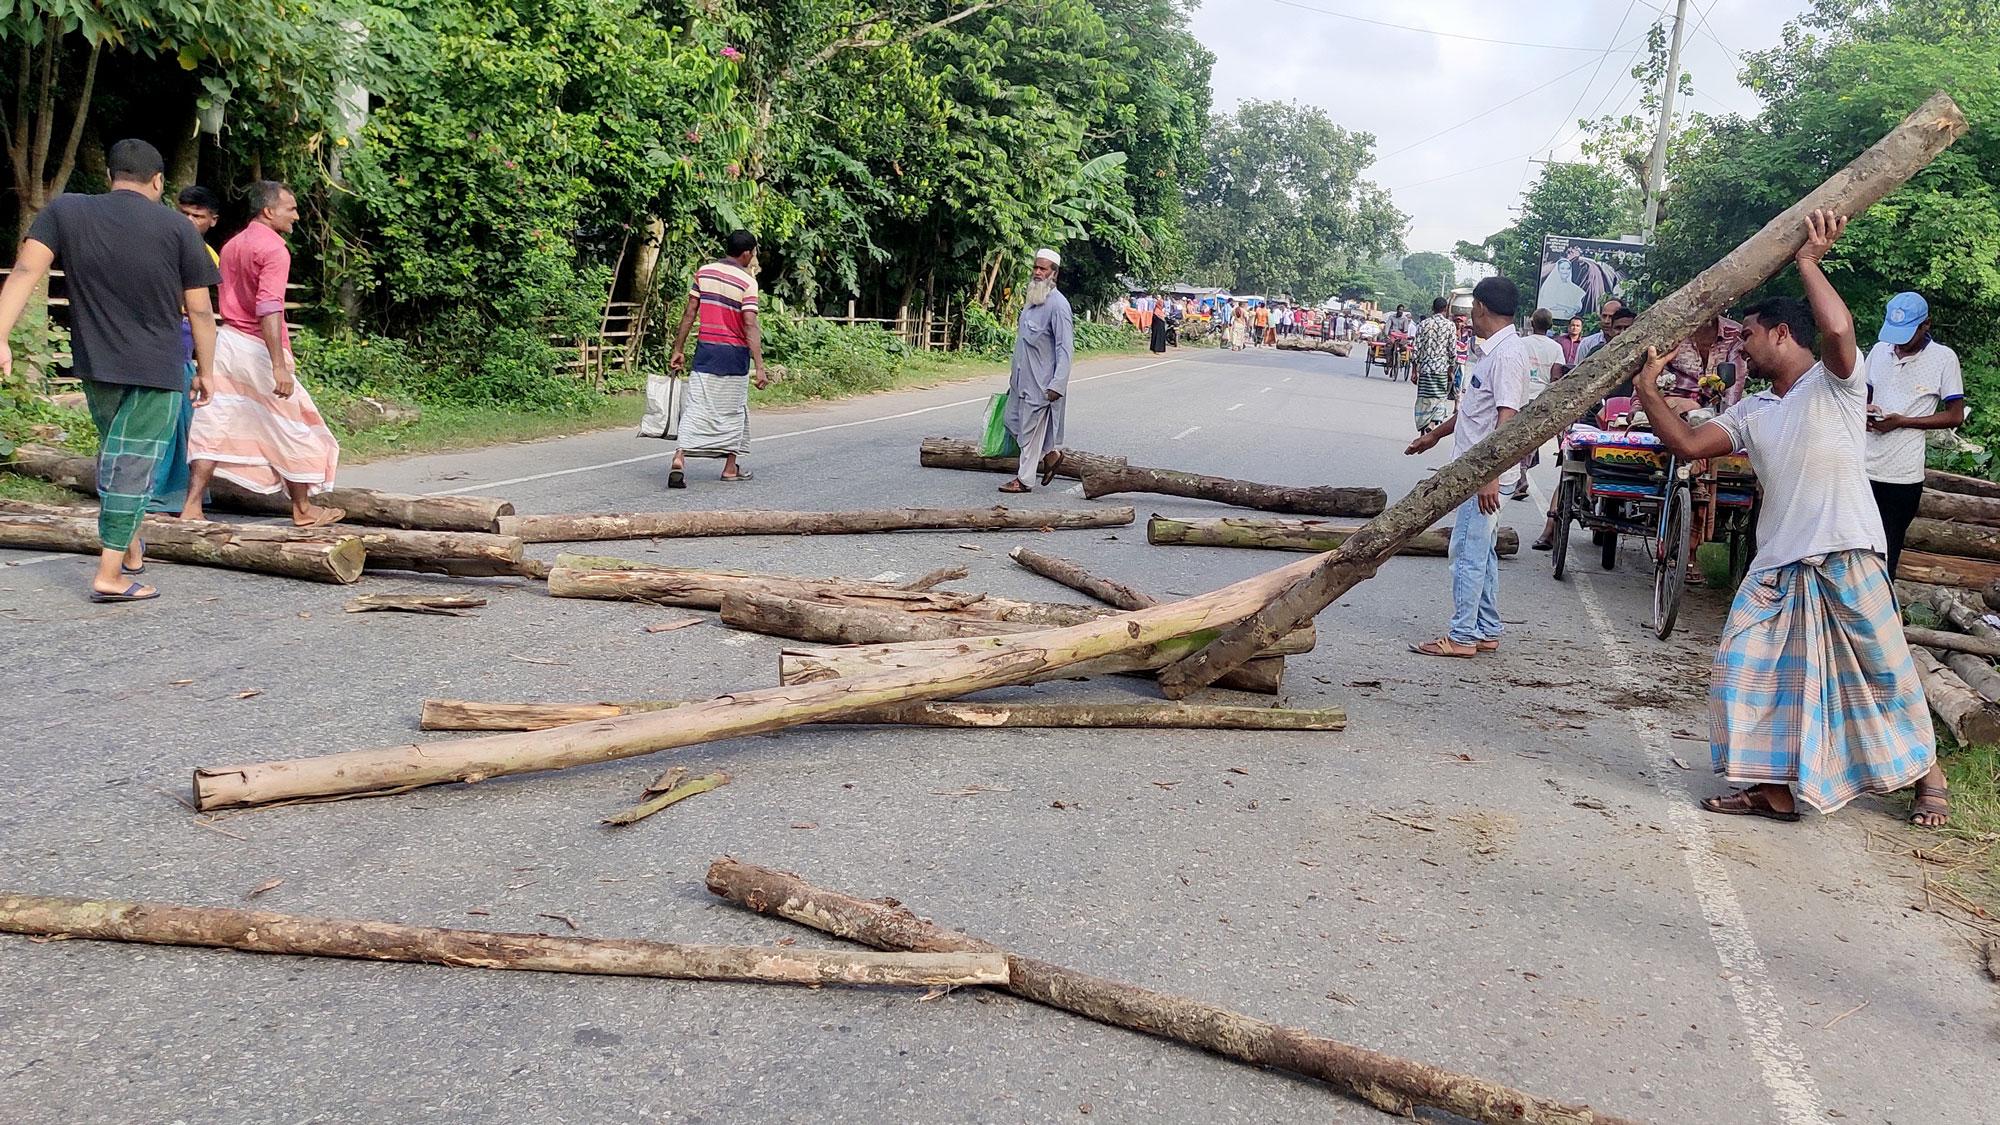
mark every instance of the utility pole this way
{"type": "Point", "coordinates": [1656, 169]}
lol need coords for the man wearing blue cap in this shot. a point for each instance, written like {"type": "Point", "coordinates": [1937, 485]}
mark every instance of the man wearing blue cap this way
{"type": "Point", "coordinates": [1914, 384]}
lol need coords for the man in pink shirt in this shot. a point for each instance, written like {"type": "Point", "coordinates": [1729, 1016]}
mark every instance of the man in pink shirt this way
{"type": "Point", "coordinates": [260, 430]}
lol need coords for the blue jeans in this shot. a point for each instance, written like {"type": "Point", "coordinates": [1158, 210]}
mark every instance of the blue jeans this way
{"type": "Point", "coordinates": [1475, 575]}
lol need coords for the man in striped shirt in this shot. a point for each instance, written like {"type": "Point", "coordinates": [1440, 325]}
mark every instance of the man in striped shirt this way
{"type": "Point", "coordinates": [729, 347]}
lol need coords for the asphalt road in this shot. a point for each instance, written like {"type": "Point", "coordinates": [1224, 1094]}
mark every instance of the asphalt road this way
{"type": "Point", "coordinates": [1569, 924]}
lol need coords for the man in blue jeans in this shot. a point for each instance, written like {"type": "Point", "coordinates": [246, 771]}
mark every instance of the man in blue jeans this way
{"type": "Point", "coordinates": [1496, 387]}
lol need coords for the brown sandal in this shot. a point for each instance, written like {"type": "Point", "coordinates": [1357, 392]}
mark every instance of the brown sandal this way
{"type": "Point", "coordinates": [1445, 646]}
{"type": "Point", "coordinates": [1747, 802]}
{"type": "Point", "coordinates": [1049, 466]}
{"type": "Point", "coordinates": [1014, 487]}
{"type": "Point", "coordinates": [1931, 802]}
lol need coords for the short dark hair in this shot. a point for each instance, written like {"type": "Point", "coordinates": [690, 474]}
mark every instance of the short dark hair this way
{"type": "Point", "coordinates": [265, 193]}
{"type": "Point", "coordinates": [195, 195]}
{"type": "Point", "coordinates": [739, 243]}
{"type": "Point", "coordinates": [1439, 304]}
{"type": "Point", "coordinates": [1625, 312]}
{"type": "Point", "coordinates": [133, 161]}
{"type": "Point", "coordinates": [1402, 308]}
{"type": "Point", "coordinates": [1542, 321]}
{"type": "Point", "coordinates": [1791, 312]}
{"type": "Point", "coordinates": [1498, 294]}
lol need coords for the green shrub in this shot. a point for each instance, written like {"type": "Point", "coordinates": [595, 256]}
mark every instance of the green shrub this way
{"type": "Point", "coordinates": [985, 335]}
{"type": "Point", "coordinates": [1094, 337]}
{"type": "Point", "coordinates": [1982, 425]}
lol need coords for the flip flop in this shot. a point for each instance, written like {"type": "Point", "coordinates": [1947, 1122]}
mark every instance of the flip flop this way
{"type": "Point", "coordinates": [677, 478]}
{"type": "Point", "coordinates": [1049, 466]}
{"type": "Point", "coordinates": [131, 594]}
{"type": "Point", "coordinates": [130, 571]}
{"type": "Point", "coordinates": [741, 474]}
{"type": "Point", "coordinates": [1014, 488]}
{"type": "Point", "coordinates": [1445, 646]}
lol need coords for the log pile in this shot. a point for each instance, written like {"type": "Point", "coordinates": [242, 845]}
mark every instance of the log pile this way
{"type": "Point", "coordinates": [1955, 539]}
{"type": "Point", "coordinates": [1955, 662]}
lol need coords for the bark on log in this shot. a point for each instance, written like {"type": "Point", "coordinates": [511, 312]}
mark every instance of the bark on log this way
{"type": "Point", "coordinates": [958, 453]}
{"type": "Point", "coordinates": [1963, 540]}
{"type": "Point", "coordinates": [263, 931]}
{"type": "Point", "coordinates": [1299, 535]}
{"type": "Point", "coordinates": [1391, 1084]}
{"type": "Point", "coordinates": [1959, 507]}
{"type": "Point", "coordinates": [1962, 710]}
{"type": "Point", "coordinates": [1904, 151]}
{"type": "Point", "coordinates": [465, 715]}
{"type": "Point", "coordinates": [1948, 570]}
{"type": "Point", "coordinates": [1947, 604]}
{"type": "Point", "coordinates": [808, 665]}
{"type": "Point", "coordinates": [1952, 642]}
{"type": "Point", "coordinates": [592, 576]}
{"type": "Point", "coordinates": [1977, 672]}
{"type": "Point", "coordinates": [329, 556]}
{"type": "Point", "coordinates": [1305, 500]}
{"type": "Point", "coordinates": [1963, 485]}
{"type": "Point", "coordinates": [439, 605]}
{"type": "Point", "coordinates": [673, 525]}
{"type": "Point", "coordinates": [1010, 660]}
{"type": "Point", "coordinates": [1071, 574]}
{"type": "Point", "coordinates": [363, 505]}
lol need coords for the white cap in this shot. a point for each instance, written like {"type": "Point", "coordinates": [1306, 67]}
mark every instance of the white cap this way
{"type": "Point", "coordinates": [1049, 256]}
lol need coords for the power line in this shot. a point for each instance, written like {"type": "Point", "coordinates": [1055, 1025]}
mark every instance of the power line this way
{"type": "Point", "coordinates": [1602, 54]}
{"type": "Point", "coordinates": [1430, 31]}
{"type": "Point", "coordinates": [1583, 93]}
{"type": "Point", "coordinates": [1701, 25]}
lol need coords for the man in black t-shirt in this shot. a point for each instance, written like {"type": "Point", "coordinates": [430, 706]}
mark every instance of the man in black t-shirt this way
{"type": "Point", "coordinates": [131, 266]}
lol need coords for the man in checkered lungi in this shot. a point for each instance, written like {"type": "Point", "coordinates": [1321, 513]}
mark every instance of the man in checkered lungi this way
{"type": "Point", "coordinates": [1813, 697]}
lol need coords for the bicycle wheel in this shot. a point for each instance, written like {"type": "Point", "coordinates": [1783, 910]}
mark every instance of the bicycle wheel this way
{"type": "Point", "coordinates": [1670, 569]}
{"type": "Point", "coordinates": [1566, 494]}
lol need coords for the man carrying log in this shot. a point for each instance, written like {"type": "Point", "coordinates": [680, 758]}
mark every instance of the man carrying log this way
{"type": "Point", "coordinates": [1914, 386]}
{"type": "Point", "coordinates": [1038, 385]}
{"type": "Point", "coordinates": [1495, 390]}
{"type": "Point", "coordinates": [1814, 695]}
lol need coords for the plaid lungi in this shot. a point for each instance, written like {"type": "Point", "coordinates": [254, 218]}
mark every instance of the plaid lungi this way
{"type": "Point", "coordinates": [135, 428]}
{"type": "Point", "coordinates": [716, 421]}
{"type": "Point", "coordinates": [1814, 688]}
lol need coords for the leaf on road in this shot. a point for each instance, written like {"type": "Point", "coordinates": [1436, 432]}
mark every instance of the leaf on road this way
{"type": "Point", "coordinates": [250, 694]}
{"type": "Point", "coordinates": [264, 887]}
{"type": "Point", "coordinates": [536, 660]}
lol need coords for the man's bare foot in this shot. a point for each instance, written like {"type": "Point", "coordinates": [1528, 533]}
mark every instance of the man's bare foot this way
{"type": "Point", "coordinates": [193, 512]}
{"type": "Point", "coordinates": [312, 515]}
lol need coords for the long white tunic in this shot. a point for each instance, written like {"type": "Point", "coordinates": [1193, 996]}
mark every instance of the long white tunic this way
{"type": "Point", "coordinates": [1044, 344]}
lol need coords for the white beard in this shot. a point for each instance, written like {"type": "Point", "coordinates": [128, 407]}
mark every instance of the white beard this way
{"type": "Point", "coordinates": [1038, 291]}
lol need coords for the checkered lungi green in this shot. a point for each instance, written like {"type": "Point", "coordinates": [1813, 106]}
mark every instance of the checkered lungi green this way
{"type": "Point", "coordinates": [136, 427]}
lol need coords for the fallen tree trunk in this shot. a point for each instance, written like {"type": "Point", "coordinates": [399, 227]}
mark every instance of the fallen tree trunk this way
{"type": "Point", "coordinates": [1904, 151]}
{"type": "Point", "coordinates": [957, 453]}
{"type": "Point", "coordinates": [262, 931]}
{"type": "Point", "coordinates": [1071, 574]}
{"type": "Point", "coordinates": [1299, 535]}
{"type": "Point", "coordinates": [1977, 672]}
{"type": "Point", "coordinates": [1962, 485]}
{"type": "Point", "coordinates": [1959, 507]}
{"type": "Point", "coordinates": [324, 556]}
{"type": "Point", "coordinates": [437, 605]}
{"type": "Point", "coordinates": [1948, 570]}
{"type": "Point", "coordinates": [1306, 500]}
{"type": "Point", "coordinates": [593, 576]}
{"type": "Point", "coordinates": [1952, 642]}
{"type": "Point", "coordinates": [363, 505]}
{"type": "Point", "coordinates": [808, 665]}
{"type": "Point", "coordinates": [1962, 710]}
{"type": "Point", "coordinates": [674, 525]}
{"type": "Point", "coordinates": [463, 715]}
{"type": "Point", "coordinates": [1964, 540]}
{"type": "Point", "coordinates": [1391, 1084]}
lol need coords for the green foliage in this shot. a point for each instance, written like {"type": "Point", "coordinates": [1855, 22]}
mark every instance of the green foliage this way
{"type": "Point", "coordinates": [1094, 337]}
{"type": "Point", "coordinates": [985, 335]}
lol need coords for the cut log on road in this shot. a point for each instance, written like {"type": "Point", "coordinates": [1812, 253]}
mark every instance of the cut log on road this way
{"type": "Point", "coordinates": [958, 453]}
{"type": "Point", "coordinates": [675, 525]}
{"type": "Point", "coordinates": [1952, 642]}
{"type": "Point", "coordinates": [1391, 1084]}
{"type": "Point", "coordinates": [1963, 711]}
{"type": "Point", "coordinates": [439, 605]}
{"type": "Point", "coordinates": [1948, 570]}
{"type": "Point", "coordinates": [1902, 153]}
{"type": "Point", "coordinates": [1299, 535]}
{"type": "Point", "coordinates": [1964, 540]}
{"type": "Point", "coordinates": [262, 931]}
{"type": "Point", "coordinates": [594, 576]}
{"type": "Point", "coordinates": [1305, 500]}
{"type": "Point", "coordinates": [1959, 507]}
{"type": "Point", "coordinates": [363, 505]}
{"type": "Point", "coordinates": [1072, 574]}
{"type": "Point", "coordinates": [1012, 660]}
{"type": "Point", "coordinates": [326, 555]}
{"type": "Point", "coordinates": [1963, 485]}
{"type": "Point", "coordinates": [463, 715]}
{"type": "Point", "coordinates": [1946, 602]}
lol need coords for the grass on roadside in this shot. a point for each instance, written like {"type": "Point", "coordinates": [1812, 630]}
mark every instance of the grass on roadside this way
{"type": "Point", "coordinates": [1974, 774]}
{"type": "Point", "coordinates": [443, 428]}
{"type": "Point", "coordinates": [34, 491]}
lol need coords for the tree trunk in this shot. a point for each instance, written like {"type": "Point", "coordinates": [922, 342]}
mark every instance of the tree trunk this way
{"type": "Point", "coordinates": [1947, 570]}
{"type": "Point", "coordinates": [465, 715]}
{"type": "Point", "coordinates": [1318, 500]}
{"type": "Point", "coordinates": [1952, 642]}
{"type": "Point", "coordinates": [1071, 574]}
{"type": "Point", "coordinates": [363, 505]}
{"type": "Point", "coordinates": [1959, 507]}
{"type": "Point", "coordinates": [1964, 540]}
{"type": "Point", "coordinates": [1390, 1084]}
{"type": "Point", "coordinates": [1299, 535]}
{"type": "Point", "coordinates": [958, 453]}
{"type": "Point", "coordinates": [587, 576]}
{"type": "Point", "coordinates": [185, 168]}
{"type": "Point", "coordinates": [1963, 711]}
{"type": "Point", "coordinates": [262, 931]}
{"type": "Point", "coordinates": [317, 556]}
{"type": "Point", "coordinates": [983, 665]}
{"type": "Point", "coordinates": [1977, 672]}
{"type": "Point", "coordinates": [672, 525]}
{"type": "Point", "coordinates": [1905, 151]}
{"type": "Point", "coordinates": [439, 605]}
{"type": "Point", "coordinates": [1962, 485]}
{"type": "Point", "coordinates": [1947, 604]}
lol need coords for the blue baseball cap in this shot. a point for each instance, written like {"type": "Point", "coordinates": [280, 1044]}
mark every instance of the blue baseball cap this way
{"type": "Point", "coordinates": [1906, 312]}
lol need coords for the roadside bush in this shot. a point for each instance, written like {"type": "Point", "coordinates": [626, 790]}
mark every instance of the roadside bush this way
{"type": "Point", "coordinates": [1982, 425]}
{"type": "Point", "coordinates": [1093, 337]}
{"type": "Point", "coordinates": [985, 335]}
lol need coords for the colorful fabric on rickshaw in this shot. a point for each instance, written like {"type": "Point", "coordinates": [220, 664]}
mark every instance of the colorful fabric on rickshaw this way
{"type": "Point", "coordinates": [1813, 686]}
{"type": "Point", "coordinates": [1582, 435]}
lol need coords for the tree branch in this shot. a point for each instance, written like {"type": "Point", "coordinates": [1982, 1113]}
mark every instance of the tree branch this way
{"type": "Point", "coordinates": [67, 165]}
{"type": "Point", "coordinates": [857, 42]}
{"type": "Point", "coordinates": [45, 122]}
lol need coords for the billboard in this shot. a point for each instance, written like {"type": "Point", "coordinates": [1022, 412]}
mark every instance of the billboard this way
{"type": "Point", "coordinates": [1579, 273]}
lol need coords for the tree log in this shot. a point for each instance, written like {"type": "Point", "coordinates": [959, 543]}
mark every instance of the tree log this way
{"type": "Point", "coordinates": [440, 605]}
{"type": "Point", "coordinates": [1891, 161]}
{"type": "Point", "coordinates": [1959, 507]}
{"type": "Point", "coordinates": [1964, 540]}
{"type": "Point", "coordinates": [1948, 570]}
{"type": "Point", "coordinates": [324, 556]}
{"type": "Point", "coordinates": [1962, 485]}
{"type": "Point", "coordinates": [1962, 710]}
{"type": "Point", "coordinates": [592, 576]}
{"type": "Point", "coordinates": [1944, 600]}
{"type": "Point", "coordinates": [262, 931]}
{"type": "Point", "coordinates": [1952, 642]}
{"type": "Point", "coordinates": [1391, 1084]}
{"type": "Point", "coordinates": [1306, 500]}
{"type": "Point", "coordinates": [1977, 672]}
{"type": "Point", "coordinates": [673, 525]}
{"type": "Point", "coordinates": [1071, 574]}
{"type": "Point", "coordinates": [363, 505]}
{"type": "Point", "coordinates": [1299, 535]}
{"type": "Point", "coordinates": [1008, 660]}
{"type": "Point", "coordinates": [957, 453]}
{"type": "Point", "coordinates": [465, 715]}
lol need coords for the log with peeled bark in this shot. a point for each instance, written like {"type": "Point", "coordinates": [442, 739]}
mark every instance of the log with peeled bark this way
{"type": "Point", "coordinates": [1305, 500]}
{"type": "Point", "coordinates": [362, 505]}
{"type": "Point", "coordinates": [1959, 507]}
{"type": "Point", "coordinates": [1960, 540]}
{"type": "Point", "coordinates": [323, 555]}
{"type": "Point", "coordinates": [1952, 642]}
{"type": "Point", "coordinates": [676, 525]}
{"type": "Point", "coordinates": [1011, 660]}
{"type": "Point", "coordinates": [806, 665]}
{"type": "Point", "coordinates": [1391, 1084]}
{"type": "Point", "coordinates": [1963, 485]}
{"type": "Point", "coordinates": [1948, 570]}
{"type": "Point", "coordinates": [1977, 672]}
{"type": "Point", "coordinates": [1299, 535]}
{"type": "Point", "coordinates": [1072, 574]}
{"type": "Point", "coordinates": [463, 715]}
{"type": "Point", "coordinates": [1946, 602]}
{"type": "Point", "coordinates": [264, 931]}
{"type": "Point", "coordinates": [958, 453]}
{"type": "Point", "coordinates": [1903, 152]}
{"type": "Point", "coordinates": [596, 576]}
{"type": "Point", "coordinates": [1963, 711]}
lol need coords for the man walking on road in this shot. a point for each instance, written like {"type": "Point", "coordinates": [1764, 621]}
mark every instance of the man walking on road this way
{"type": "Point", "coordinates": [131, 266]}
{"type": "Point", "coordinates": [1436, 339]}
{"type": "Point", "coordinates": [729, 347]}
{"type": "Point", "coordinates": [1547, 356]}
{"type": "Point", "coordinates": [1495, 389]}
{"type": "Point", "coordinates": [1914, 385]}
{"type": "Point", "coordinates": [1044, 344]}
{"type": "Point", "coordinates": [1813, 695]}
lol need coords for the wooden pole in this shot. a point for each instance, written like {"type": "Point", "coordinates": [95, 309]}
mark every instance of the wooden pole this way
{"type": "Point", "coordinates": [1891, 161]}
{"type": "Point", "coordinates": [1964, 540]}
{"type": "Point", "coordinates": [1314, 536]}
{"type": "Point", "coordinates": [1962, 710]}
{"type": "Point", "coordinates": [326, 555]}
{"type": "Point", "coordinates": [262, 931]}
{"type": "Point", "coordinates": [669, 525]}
{"type": "Point", "coordinates": [1948, 570]}
{"type": "Point", "coordinates": [1317, 500]}
{"type": "Point", "coordinates": [593, 576]}
{"type": "Point", "coordinates": [1963, 485]}
{"type": "Point", "coordinates": [464, 715]}
{"type": "Point", "coordinates": [1959, 507]}
{"type": "Point", "coordinates": [958, 453]}
{"type": "Point", "coordinates": [1388, 1083]}
{"type": "Point", "coordinates": [1072, 574]}
{"type": "Point", "coordinates": [1952, 642]}
{"type": "Point", "coordinates": [808, 665]}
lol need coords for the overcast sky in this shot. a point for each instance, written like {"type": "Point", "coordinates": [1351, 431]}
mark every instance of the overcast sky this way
{"type": "Point", "coordinates": [1403, 86]}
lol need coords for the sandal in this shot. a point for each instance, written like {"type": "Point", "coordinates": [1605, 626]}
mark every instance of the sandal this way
{"type": "Point", "coordinates": [133, 571]}
{"type": "Point", "coordinates": [1490, 644]}
{"type": "Point", "coordinates": [1747, 802]}
{"type": "Point", "coordinates": [1049, 466]}
{"type": "Point", "coordinates": [1931, 802]}
{"type": "Point", "coordinates": [1445, 646]}
{"type": "Point", "coordinates": [1545, 543]}
{"type": "Point", "coordinates": [677, 478]}
{"type": "Point", "coordinates": [326, 516]}
{"type": "Point", "coordinates": [1015, 487]}
{"type": "Point", "coordinates": [131, 594]}
{"type": "Point", "coordinates": [741, 474]}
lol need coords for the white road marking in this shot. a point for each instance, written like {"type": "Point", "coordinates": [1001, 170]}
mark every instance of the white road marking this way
{"type": "Point", "coordinates": [1263, 390]}
{"type": "Point", "coordinates": [39, 559]}
{"type": "Point", "coordinates": [471, 488]}
{"type": "Point", "coordinates": [1782, 1063]}
{"type": "Point", "coordinates": [1192, 429]}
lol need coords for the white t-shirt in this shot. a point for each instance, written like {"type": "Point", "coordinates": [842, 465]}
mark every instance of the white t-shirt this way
{"type": "Point", "coordinates": [1545, 353]}
{"type": "Point", "coordinates": [1913, 386]}
{"type": "Point", "coordinates": [1499, 377]}
{"type": "Point", "coordinates": [1807, 450]}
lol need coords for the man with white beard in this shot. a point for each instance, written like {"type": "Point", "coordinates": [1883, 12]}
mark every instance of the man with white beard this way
{"type": "Point", "coordinates": [1044, 343]}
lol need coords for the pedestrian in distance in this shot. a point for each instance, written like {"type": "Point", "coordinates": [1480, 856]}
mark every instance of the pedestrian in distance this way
{"type": "Point", "coordinates": [1038, 382]}
{"type": "Point", "coordinates": [1914, 386]}
{"type": "Point", "coordinates": [1547, 355]}
{"type": "Point", "coordinates": [728, 359]}
{"type": "Point", "coordinates": [131, 267]}
{"type": "Point", "coordinates": [1434, 360]}
{"type": "Point", "coordinates": [203, 208]}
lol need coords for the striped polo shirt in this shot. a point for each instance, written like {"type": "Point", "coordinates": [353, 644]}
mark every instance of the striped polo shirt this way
{"type": "Point", "coordinates": [726, 293]}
